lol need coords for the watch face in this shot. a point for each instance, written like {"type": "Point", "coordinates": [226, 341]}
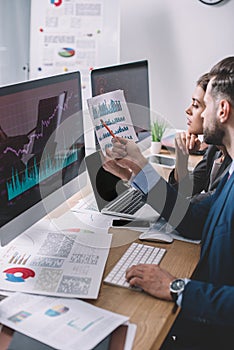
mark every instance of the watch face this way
{"type": "Point", "coordinates": [177, 285]}
{"type": "Point", "coordinates": [211, 2]}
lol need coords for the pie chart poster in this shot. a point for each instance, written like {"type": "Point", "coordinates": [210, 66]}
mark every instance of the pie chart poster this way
{"type": "Point", "coordinates": [73, 35]}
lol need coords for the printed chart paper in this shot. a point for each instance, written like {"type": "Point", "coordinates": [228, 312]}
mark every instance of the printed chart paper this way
{"type": "Point", "coordinates": [62, 323]}
{"type": "Point", "coordinates": [113, 110]}
{"type": "Point", "coordinates": [72, 35]}
{"type": "Point", "coordinates": [56, 263]}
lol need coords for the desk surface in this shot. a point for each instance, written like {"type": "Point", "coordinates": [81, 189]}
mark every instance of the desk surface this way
{"type": "Point", "coordinates": [153, 317]}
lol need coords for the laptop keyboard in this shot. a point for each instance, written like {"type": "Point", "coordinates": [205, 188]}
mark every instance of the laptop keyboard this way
{"type": "Point", "coordinates": [137, 253]}
{"type": "Point", "coordinates": [128, 203]}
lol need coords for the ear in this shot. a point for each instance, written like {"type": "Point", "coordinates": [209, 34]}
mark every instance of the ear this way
{"type": "Point", "coordinates": [224, 111]}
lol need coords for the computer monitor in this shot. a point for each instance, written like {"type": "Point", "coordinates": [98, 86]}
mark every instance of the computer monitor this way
{"type": "Point", "coordinates": [41, 149]}
{"type": "Point", "coordinates": [133, 79]}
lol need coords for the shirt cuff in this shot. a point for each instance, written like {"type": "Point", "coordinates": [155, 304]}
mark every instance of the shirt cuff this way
{"type": "Point", "coordinates": [146, 179]}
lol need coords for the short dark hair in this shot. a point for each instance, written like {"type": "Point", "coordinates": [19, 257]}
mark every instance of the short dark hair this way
{"type": "Point", "coordinates": [203, 81]}
{"type": "Point", "coordinates": [222, 75]}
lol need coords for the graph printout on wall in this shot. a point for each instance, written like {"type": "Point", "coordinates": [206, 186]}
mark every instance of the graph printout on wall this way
{"type": "Point", "coordinates": [71, 35]}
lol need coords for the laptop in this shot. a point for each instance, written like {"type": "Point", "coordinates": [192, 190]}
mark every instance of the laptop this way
{"type": "Point", "coordinates": [113, 196]}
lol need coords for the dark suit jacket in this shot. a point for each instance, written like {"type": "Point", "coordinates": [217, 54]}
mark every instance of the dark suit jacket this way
{"type": "Point", "coordinates": [199, 179]}
{"type": "Point", "coordinates": [207, 316]}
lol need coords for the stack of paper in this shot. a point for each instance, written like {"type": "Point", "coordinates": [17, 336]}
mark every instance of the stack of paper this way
{"type": "Point", "coordinates": [55, 263]}
{"type": "Point", "coordinates": [61, 323]}
{"type": "Point", "coordinates": [66, 264]}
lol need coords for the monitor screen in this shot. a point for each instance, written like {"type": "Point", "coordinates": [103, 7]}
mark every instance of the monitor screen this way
{"type": "Point", "coordinates": [41, 149]}
{"type": "Point", "coordinates": [132, 78]}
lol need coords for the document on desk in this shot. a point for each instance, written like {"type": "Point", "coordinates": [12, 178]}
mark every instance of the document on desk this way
{"type": "Point", "coordinates": [86, 220]}
{"type": "Point", "coordinates": [56, 263]}
{"type": "Point", "coordinates": [91, 218]}
{"type": "Point", "coordinates": [111, 118]}
{"type": "Point", "coordinates": [66, 324]}
{"type": "Point", "coordinates": [86, 203]}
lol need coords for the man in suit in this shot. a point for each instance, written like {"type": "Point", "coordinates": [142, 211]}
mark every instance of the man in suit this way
{"type": "Point", "coordinates": [207, 300]}
{"type": "Point", "coordinates": [205, 177]}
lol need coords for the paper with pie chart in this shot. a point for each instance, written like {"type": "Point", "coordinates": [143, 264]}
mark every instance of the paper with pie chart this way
{"type": "Point", "coordinates": [56, 263]}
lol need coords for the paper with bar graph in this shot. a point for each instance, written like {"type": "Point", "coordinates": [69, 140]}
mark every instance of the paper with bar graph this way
{"type": "Point", "coordinates": [56, 263]}
{"type": "Point", "coordinates": [111, 108]}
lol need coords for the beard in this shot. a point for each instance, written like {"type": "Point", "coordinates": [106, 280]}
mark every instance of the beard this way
{"type": "Point", "coordinates": [214, 135]}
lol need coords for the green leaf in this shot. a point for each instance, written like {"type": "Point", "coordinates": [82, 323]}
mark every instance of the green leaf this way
{"type": "Point", "coordinates": [157, 130]}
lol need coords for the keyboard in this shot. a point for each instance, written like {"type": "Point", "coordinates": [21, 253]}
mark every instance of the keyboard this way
{"type": "Point", "coordinates": [137, 253]}
{"type": "Point", "coordinates": [128, 203]}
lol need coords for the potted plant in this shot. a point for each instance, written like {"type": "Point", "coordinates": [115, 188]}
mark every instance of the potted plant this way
{"type": "Point", "coordinates": [158, 128]}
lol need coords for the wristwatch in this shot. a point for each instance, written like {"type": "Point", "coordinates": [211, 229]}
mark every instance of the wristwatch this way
{"type": "Point", "coordinates": [176, 288]}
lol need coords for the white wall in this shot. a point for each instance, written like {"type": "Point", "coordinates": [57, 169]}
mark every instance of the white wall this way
{"type": "Point", "coordinates": [14, 40]}
{"type": "Point", "coordinates": [181, 39]}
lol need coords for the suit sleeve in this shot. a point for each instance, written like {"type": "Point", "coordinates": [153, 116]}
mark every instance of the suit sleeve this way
{"type": "Point", "coordinates": [209, 304]}
{"type": "Point", "coordinates": [179, 211]}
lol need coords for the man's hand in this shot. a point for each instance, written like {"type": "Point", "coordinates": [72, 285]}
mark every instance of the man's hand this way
{"type": "Point", "coordinates": [114, 168]}
{"type": "Point", "coordinates": [127, 155]}
{"type": "Point", "coordinates": [152, 279]}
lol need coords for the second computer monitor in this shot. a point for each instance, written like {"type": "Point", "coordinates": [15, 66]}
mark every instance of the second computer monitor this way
{"type": "Point", "coordinates": [133, 79]}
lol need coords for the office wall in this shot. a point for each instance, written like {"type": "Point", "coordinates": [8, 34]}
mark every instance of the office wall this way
{"type": "Point", "coordinates": [181, 39]}
{"type": "Point", "coordinates": [14, 40]}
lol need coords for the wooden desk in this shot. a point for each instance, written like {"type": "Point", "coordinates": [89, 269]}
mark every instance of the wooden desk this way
{"type": "Point", "coordinates": [153, 317]}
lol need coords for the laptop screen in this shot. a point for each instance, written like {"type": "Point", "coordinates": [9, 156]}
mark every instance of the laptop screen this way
{"type": "Point", "coordinates": [132, 78]}
{"type": "Point", "coordinates": [105, 185]}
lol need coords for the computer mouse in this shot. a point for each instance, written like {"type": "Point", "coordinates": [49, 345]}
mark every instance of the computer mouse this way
{"type": "Point", "coordinates": [156, 237]}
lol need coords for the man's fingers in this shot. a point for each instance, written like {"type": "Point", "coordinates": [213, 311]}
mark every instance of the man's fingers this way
{"type": "Point", "coordinates": [108, 152]}
{"type": "Point", "coordinates": [135, 282]}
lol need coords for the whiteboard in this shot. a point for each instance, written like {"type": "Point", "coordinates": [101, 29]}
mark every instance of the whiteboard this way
{"type": "Point", "coordinates": [71, 35]}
